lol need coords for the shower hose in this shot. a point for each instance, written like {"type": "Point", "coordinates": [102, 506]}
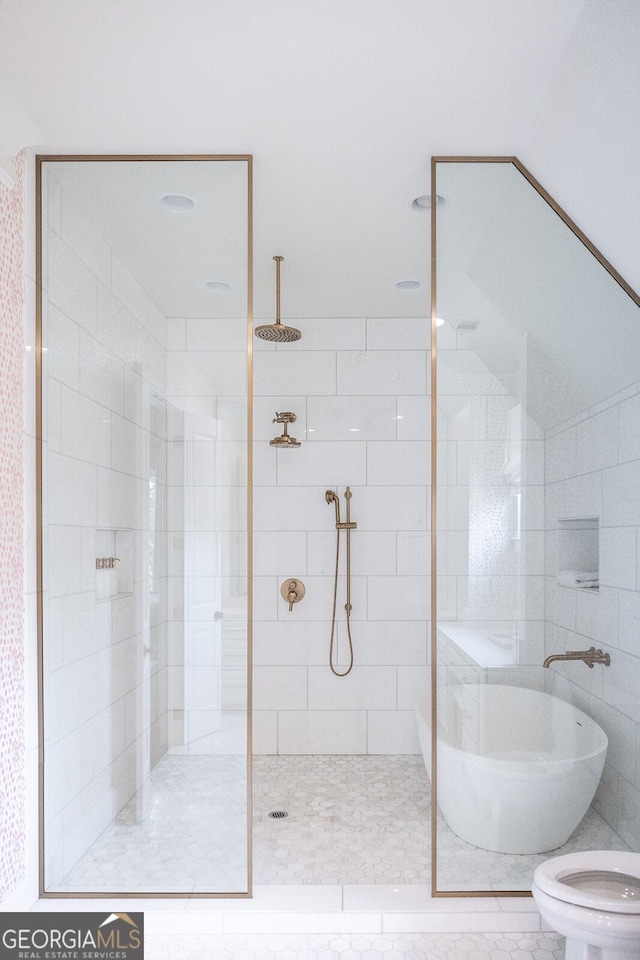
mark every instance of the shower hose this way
{"type": "Point", "coordinates": [347, 528]}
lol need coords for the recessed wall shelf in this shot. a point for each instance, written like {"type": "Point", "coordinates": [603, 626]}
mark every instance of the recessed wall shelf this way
{"type": "Point", "coordinates": [578, 552]}
{"type": "Point", "coordinates": [115, 544]}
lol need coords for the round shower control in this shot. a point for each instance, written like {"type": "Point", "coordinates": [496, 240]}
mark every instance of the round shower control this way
{"type": "Point", "coordinates": [292, 591]}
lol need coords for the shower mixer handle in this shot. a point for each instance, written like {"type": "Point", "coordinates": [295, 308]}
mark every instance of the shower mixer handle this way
{"type": "Point", "coordinates": [285, 417]}
{"type": "Point", "coordinates": [292, 591]}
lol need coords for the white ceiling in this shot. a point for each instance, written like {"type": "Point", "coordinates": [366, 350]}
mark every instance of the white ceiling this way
{"type": "Point", "coordinates": [341, 102]}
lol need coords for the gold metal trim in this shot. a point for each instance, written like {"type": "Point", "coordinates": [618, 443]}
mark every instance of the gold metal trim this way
{"type": "Point", "coordinates": [434, 543]}
{"type": "Point", "coordinates": [80, 158]}
{"type": "Point", "coordinates": [591, 247]}
{"type": "Point", "coordinates": [249, 707]}
{"type": "Point", "coordinates": [39, 525]}
{"type": "Point", "coordinates": [435, 893]}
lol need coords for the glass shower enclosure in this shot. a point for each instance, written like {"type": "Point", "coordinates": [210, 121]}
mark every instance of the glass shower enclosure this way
{"type": "Point", "coordinates": [536, 507]}
{"type": "Point", "coordinates": [144, 481]}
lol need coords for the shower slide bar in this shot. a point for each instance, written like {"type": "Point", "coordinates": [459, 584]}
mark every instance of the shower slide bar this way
{"type": "Point", "coordinates": [332, 497]}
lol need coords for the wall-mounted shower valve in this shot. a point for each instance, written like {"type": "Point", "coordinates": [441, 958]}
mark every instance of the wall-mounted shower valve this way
{"type": "Point", "coordinates": [292, 591]}
{"type": "Point", "coordinates": [284, 440]}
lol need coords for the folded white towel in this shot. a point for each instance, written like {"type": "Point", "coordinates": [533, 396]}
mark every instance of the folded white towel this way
{"type": "Point", "coordinates": [578, 578]}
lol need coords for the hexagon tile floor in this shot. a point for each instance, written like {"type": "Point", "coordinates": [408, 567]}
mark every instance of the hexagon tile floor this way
{"type": "Point", "coordinates": [401, 946]}
{"type": "Point", "coordinates": [365, 819]}
{"type": "Point", "coordinates": [351, 820]}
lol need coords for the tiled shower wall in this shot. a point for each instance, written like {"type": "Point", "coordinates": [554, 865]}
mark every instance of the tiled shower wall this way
{"type": "Point", "coordinates": [105, 442]}
{"type": "Point", "coordinates": [490, 560]}
{"type": "Point", "coordinates": [359, 389]}
{"type": "Point", "coordinates": [592, 469]}
{"type": "Point", "coordinates": [491, 524]}
{"type": "Point", "coordinates": [207, 522]}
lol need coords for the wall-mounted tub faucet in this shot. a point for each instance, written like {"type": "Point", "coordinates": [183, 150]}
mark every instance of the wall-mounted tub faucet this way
{"type": "Point", "coordinates": [589, 656]}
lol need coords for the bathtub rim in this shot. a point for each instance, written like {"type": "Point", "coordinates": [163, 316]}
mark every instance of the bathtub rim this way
{"type": "Point", "coordinates": [424, 716]}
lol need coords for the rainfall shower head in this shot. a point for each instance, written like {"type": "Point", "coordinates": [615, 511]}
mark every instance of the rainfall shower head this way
{"type": "Point", "coordinates": [277, 332]}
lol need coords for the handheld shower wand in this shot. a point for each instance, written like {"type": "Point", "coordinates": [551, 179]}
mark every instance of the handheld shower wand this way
{"type": "Point", "coordinates": [332, 497]}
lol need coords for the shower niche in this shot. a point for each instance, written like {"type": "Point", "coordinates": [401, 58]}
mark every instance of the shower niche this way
{"type": "Point", "coordinates": [144, 385]}
{"type": "Point", "coordinates": [578, 553]}
{"type": "Point", "coordinates": [114, 564]}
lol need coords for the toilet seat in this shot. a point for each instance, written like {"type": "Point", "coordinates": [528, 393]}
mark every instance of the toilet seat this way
{"type": "Point", "coordinates": [606, 880]}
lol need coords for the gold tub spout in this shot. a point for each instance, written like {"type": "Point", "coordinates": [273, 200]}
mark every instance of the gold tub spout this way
{"type": "Point", "coordinates": [589, 656]}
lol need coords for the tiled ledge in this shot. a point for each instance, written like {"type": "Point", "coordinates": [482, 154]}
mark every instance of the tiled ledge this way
{"type": "Point", "coordinates": [325, 909]}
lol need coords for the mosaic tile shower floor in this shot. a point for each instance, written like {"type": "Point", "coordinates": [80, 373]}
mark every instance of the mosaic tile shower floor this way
{"type": "Point", "coordinates": [351, 820]}
{"type": "Point", "coordinates": [184, 829]}
{"type": "Point", "coordinates": [365, 819]}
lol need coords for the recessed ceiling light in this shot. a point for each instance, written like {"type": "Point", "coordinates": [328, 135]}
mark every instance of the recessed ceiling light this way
{"type": "Point", "coordinates": [177, 202]}
{"type": "Point", "coordinates": [424, 202]}
{"type": "Point", "coordinates": [218, 286]}
{"type": "Point", "coordinates": [439, 322]}
{"type": "Point", "coordinates": [408, 284]}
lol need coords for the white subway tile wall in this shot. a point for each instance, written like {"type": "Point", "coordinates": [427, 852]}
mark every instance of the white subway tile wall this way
{"type": "Point", "coordinates": [104, 438]}
{"type": "Point", "coordinates": [358, 388]}
{"type": "Point", "coordinates": [593, 470]}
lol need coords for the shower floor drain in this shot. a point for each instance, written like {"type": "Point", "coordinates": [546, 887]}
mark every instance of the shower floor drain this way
{"type": "Point", "coordinates": [278, 814]}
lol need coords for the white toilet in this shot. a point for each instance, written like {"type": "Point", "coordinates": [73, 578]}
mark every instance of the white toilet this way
{"type": "Point", "coordinates": [593, 898]}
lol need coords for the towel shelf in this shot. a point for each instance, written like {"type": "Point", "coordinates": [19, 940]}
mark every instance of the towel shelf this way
{"type": "Point", "coordinates": [578, 549]}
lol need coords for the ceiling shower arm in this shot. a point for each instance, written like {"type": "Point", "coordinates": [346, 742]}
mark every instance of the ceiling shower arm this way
{"type": "Point", "coordinates": [278, 261]}
{"type": "Point", "coordinates": [277, 332]}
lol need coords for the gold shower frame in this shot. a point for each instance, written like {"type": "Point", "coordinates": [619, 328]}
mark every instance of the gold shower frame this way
{"type": "Point", "coordinates": [434, 493]}
{"type": "Point", "coordinates": [39, 486]}
{"type": "Point", "coordinates": [143, 158]}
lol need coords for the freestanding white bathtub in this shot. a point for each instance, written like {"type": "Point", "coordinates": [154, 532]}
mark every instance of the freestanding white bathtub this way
{"type": "Point", "coordinates": [517, 768]}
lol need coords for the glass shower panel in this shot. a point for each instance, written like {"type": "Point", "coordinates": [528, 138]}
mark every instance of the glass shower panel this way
{"type": "Point", "coordinates": [144, 522]}
{"type": "Point", "coordinates": [536, 359]}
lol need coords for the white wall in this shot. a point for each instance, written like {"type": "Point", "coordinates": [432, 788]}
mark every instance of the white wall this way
{"type": "Point", "coordinates": [491, 535]}
{"type": "Point", "coordinates": [207, 523]}
{"type": "Point", "coordinates": [359, 389]}
{"type": "Point", "coordinates": [584, 149]}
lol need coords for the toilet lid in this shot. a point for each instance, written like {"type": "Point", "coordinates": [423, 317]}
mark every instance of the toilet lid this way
{"type": "Point", "coordinates": [574, 879]}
